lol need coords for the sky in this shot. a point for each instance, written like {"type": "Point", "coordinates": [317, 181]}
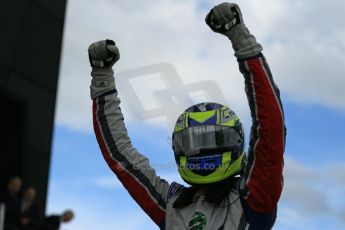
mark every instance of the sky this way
{"type": "Point", "coordinates": [167, 49]}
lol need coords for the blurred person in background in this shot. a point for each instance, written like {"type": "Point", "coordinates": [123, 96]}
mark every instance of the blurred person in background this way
{"type": "Point", "coordinates": [53, 222]}
{"type": "Point", "coordinates": [11, 198]}
{"type": "Point", "coordinates": [29, 212]}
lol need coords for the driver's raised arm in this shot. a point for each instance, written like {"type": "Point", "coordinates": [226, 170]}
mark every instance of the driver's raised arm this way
{"type": "Point", "coordinates": [263, 173]}
{"type": "Point", "coordinates": [132, 169]}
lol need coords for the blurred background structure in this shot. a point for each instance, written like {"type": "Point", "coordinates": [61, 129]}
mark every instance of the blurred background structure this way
{"type": "Point", "coordinates": [29, 64]}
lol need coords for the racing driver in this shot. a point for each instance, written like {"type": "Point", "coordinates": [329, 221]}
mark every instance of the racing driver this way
{"type": "Point", "coordinates": [230, 188]}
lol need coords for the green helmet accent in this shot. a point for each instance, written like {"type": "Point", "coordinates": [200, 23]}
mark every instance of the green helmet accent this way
{"type": "Point", "coordinates": [208, 143]}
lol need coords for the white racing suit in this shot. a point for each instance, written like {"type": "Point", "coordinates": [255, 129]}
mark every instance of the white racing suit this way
{"type": "Point", "coordinates": [252, 205]}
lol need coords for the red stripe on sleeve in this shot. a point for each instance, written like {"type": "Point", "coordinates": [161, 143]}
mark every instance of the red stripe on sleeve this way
{"type": "Point", "coordinates": [136, 190]}
{"type": "Point", "coordinates": [265, 180]}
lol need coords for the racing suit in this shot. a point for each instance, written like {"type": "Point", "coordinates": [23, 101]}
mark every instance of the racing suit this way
{"type": "Point", "coordinates": [250, 205]}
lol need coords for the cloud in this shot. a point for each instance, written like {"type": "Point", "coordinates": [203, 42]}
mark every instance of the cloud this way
{"type": "Point", "coordinates": [290, 219]}
{"type": "Point", "coordinates": [103, 182]}
{"type": "Point", "coordinates": [313, 192]}
{"type": "Point", "coordinates": [151, 41]}
{"type": "Point", "coordinates": [305, 55]}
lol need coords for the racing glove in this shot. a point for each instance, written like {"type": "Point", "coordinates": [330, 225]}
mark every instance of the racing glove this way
{"type": "Point", "coordinates": [102, 55]}
{"type": "Point", "coordinates": [226, 18]}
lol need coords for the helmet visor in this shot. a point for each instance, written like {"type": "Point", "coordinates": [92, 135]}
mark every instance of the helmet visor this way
{"type": "Point", "coordinates": [205, 139]}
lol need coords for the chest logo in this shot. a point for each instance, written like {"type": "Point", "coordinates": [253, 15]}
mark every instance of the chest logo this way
{"type": "Point", "coordinates": [198, 221]}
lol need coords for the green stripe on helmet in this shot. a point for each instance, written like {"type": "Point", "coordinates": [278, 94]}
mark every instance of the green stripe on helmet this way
{"type": "Point", "coordinates": [201, 116]}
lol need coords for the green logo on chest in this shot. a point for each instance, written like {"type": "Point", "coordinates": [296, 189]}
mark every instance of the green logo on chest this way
{"type": "Point", "coordinates": [198, 222]}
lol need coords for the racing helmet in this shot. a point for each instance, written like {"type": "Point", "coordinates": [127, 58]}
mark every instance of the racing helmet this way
{"type": "Point", "coordinates": [208, 143]}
